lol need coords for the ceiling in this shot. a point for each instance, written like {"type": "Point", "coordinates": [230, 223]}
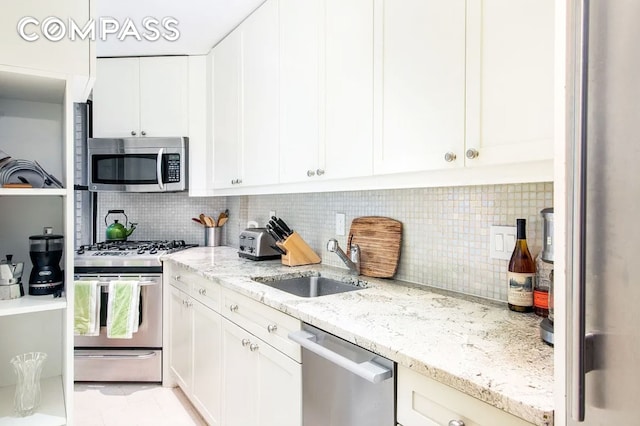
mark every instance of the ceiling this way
{"type": "Point", "coordinates": [201, 23]}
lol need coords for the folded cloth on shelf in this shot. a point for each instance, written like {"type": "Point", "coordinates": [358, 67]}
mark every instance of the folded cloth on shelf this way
{"type": "Point", "coordinates": [86, 308]}
{"type": "Point", "coordinates": [122, 309]}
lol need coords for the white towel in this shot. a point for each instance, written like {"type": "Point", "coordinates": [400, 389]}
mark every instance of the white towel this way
{"type": "Point", "coordinates": [123, 313]}
{"type": "Point", "coordinates": [86, 303]}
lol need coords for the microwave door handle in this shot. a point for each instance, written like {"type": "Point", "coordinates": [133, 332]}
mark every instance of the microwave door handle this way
{"type": "Point", "coordinates": [159, 168]}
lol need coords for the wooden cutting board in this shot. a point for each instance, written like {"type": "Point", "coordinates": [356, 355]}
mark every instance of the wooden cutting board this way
{"type": "Point", "coordinates": [379, 239]}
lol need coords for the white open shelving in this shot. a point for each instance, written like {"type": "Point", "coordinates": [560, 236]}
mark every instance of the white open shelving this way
{"type": "Point", "coordinates": [51, 411]}
{"type": "Point", "coordinates": [30, 304]}
{"type": "Point", "coordinates": [33, 191]}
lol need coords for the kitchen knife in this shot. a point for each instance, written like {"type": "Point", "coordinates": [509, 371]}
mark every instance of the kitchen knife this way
{"type": "Point", "coordinates": [276, 229]}
{"type": "Point", "coordinates": [278, 249]}
{"type": "Point", "coordinates": [273, 233]}
{"type": "Point", "coordinates": [283, 225]}
{"type": "Point", "coordinates": [279, 229]}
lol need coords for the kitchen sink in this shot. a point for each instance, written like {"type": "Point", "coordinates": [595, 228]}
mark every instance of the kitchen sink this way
{"type": "Point", "coordinates": [313, 286]}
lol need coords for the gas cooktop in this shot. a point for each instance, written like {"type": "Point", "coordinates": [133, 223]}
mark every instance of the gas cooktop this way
{"type": "Point", "coordinates": [126, 254]}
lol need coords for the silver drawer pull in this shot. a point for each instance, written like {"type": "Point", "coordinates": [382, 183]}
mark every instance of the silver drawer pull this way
{"type": "Point", "coordinates": [456, 423]}
{"type": "Point", "coordinates": [272, 328]}
{"type": "Point", "coordinates": [202, 291]}
{"type": "Point", "coordinates": [176, 277]}
{"type": "Point", "coordinates": [116, 356]}
{"type": "Point", "coordinates": [253, 347]}
{"type": "Point", "coordinates": [246, 342]}
{"type": "Point", "coordinates": [233, 308]}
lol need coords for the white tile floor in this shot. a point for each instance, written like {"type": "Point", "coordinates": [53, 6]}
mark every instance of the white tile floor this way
{"type": "Point", "coordinates": [132, 404]}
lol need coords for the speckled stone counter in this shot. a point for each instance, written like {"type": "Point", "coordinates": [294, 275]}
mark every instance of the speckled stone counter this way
{"type": "Point", "coordinates": [478, 347]}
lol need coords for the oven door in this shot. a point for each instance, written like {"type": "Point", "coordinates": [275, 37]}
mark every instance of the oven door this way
{"type": "Point", "coordinates": [149, 334]}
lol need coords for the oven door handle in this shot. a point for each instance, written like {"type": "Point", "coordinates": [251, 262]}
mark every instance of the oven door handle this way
{"type": "Point", "coordinates": [106, 283]}
{"type": "Point", "coordinates": [159, 168]}
{"type": "Point", "coordinates": [116, 356]}
{"type": "Point", "coordinates": [368, 370]}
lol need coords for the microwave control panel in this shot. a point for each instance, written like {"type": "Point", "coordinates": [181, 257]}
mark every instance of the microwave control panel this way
{"type": "Point", "coordinates": [172, 168]}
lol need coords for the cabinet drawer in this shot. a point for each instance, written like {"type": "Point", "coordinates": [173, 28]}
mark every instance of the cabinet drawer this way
{"type": "Point", "coordinates": [202, 289]}
{"type": "Point", "coordinates": [422, 401]}
{"type": "Point", "coordinates": [267, 323]}
{"type": "Point", "coordinates": [177, 277]}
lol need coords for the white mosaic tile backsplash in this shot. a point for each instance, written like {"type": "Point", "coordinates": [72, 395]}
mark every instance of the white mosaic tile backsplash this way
{"type": "Point", "coordinates": [445, 230]}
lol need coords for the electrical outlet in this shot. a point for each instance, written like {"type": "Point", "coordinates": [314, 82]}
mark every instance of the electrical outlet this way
{"type": "Point", "coordinates": [271, 213]}
{"type": "Point", "coordinates": [502, 241]}
{"type": "Point", "coordinates": [341, 224]}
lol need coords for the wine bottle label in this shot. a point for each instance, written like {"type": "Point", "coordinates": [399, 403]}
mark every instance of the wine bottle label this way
{"type": "Point", "coordinates": [520, 291]}
{"type": "Point", "coordinates": [541, 299]}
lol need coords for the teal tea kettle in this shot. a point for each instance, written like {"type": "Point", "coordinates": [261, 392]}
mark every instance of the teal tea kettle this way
{"type": "Point", "coordinates": [117, 231]}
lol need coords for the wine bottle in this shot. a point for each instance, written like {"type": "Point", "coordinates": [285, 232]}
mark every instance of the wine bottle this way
{"type": "Point", "coordinates": [521, 273]}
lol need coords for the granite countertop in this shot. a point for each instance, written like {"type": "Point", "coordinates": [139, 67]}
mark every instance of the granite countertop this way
{"type": "Point", "coordinates": [474, 345]}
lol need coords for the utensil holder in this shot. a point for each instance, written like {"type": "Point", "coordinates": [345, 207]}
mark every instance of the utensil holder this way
{"type": "Point", "coordinates": [212, 236]}
{"type": "Point", "coordinates": [28, 367]}
{"type": "Point", "coordinates": [298, 252]}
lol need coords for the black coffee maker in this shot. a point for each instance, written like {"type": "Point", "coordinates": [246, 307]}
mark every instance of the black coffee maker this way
{"type": "Point", "coordinates": [46, 251]}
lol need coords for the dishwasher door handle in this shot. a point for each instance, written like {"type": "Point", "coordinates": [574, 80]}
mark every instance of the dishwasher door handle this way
{"type": "Point", "coordinates": [368, 370]}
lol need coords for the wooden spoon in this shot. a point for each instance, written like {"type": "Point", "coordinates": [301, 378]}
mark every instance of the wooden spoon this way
{"type": "Point", "coordinates": [222, 221]}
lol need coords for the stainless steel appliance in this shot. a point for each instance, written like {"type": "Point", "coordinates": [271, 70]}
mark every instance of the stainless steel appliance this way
{"type": "Point", "coordinates": [344, 384]}
{"type": "Point", "coordinates": [258, 244]}
{"type": "Point", "coordinates": [544, 271]}
{"type": "Point", "coordinates": [139, 359]}
{"type": "Point", "coordinates": [603, 341]}
{"type": "Point", "coordinates": [11, 278]}
{"type": "Point", "coordinates": [138, 164]}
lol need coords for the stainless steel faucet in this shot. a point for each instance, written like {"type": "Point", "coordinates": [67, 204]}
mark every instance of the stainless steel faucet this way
{"type": "Point", "coordinates": [353, 261]}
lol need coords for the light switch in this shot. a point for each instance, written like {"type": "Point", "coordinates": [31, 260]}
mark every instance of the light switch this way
{"type": "Point", "coordinates": [502, 240]}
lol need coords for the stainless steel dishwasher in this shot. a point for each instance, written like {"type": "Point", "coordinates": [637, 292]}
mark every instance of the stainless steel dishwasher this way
{"type": "Point", "coordinates": [344, 384]}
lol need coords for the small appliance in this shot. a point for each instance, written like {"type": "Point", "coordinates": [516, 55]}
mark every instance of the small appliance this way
{"type": "Point", "coordinates": [117, 231]}
{"type": "Point", "coordinates": [138, 164]}
{"type": "Point", "coordinates": [258, 244]}
{"type": "Point", "coordinates": [11, 279]}
{"type": "Point", "coordinates": [46, 251]}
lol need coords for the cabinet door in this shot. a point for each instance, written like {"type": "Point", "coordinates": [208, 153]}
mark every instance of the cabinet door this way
{"type": "Point", "coordinates": [180, 338]}
{"type": "Point", "coordinates": [239, 376]}
{"type": "Point", "coordinates": [116, 98]}
{"type": "Point", "coordinates": [226, 110]}
{"type": "Point", "coordinates": [207, 362]}
{"type": "Point", "coordinates": [423, 87]}
{"type": "Point", "coordinates": [164, 102]}
{"type": "Point", "coordinates": [64, 56]}
{"type": "Point", "coordinates": [279, 387]}
{"type": "Point", "coordinates": [510, 81]}
{"type": "Point", "coordinates": [348, 91]}
{"type": "Point", "coordinates": [260, 96]}
{"type": "Point", "coordinates": [299, 89]}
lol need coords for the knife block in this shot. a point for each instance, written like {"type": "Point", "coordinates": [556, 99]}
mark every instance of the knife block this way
{"type": "Point", "coordinates": [298, 252]}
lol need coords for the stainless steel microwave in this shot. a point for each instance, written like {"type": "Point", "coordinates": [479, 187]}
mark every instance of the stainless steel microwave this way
{"type": "Point", "coordinates": [138, 164]}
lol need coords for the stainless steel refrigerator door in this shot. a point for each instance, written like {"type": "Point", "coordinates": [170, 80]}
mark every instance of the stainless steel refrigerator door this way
{"type": "Point", "coordinates": [607, 128]}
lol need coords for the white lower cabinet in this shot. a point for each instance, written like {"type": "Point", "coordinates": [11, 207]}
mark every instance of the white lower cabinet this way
{"type": "Point", "coordinates": [422, 401]}
{"type": "Point", "coordinates": [262, 386]}
{"type": "Point", "coordinates": [231, 376]}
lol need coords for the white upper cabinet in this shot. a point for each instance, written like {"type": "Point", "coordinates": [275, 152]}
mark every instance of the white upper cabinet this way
{"type": "Point", "coordinates": [348, 89]}
{"type": "Point", "coordinates": [64, 56]}
{"type": "Point", "coordinates": [260, 96]}
{"type": "Point", "coordinates": [245, 111]}
{"type": "Point", "coordinates": [141, 97]}
{"type": "Point", "coordinates": [510, 49]}
{"type": "Point", "coordinates": [423, 85]}
{"type": "Point", "coordinates": [299, 89]}
{"type": "Point", "coordinates": [226, 111]}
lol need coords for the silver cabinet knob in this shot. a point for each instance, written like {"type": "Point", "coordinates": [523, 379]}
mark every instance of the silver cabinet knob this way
{"type": "Point", "coordinates": [202, 291]}
{"type": "Point", "coordinates": [233, 308]}
{"type": "Point", "coordinates": [246, 342]}
{"type": "Point", "coordinates": [233, 181]}
{"type": "Point", "coordinates": [472, 153]}
{"type": "Point", "coordinates": [253, 347]}
{"type": "Point", "coordinates": [449, 157]}
{"type": "Point", "coordinates": [133, 133]}
{"type": "Point", "coordinates": [176, 277]}
{"type": "Point", "coordinates": [311, 173]}
{"type": "Point", "coordinates": [456, 423]}
{"type": "Point", "coordinates": [272, 328]}
{"type": "Point", "coordinates": [238, 181]}
{"type": "Point", "coordinates": [143, 133]}
{"type": "Point", "coordinates": [320, 172]}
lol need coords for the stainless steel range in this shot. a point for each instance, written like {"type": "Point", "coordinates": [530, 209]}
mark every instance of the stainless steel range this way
{"type": "Point", "coordinates": [139, 359]}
